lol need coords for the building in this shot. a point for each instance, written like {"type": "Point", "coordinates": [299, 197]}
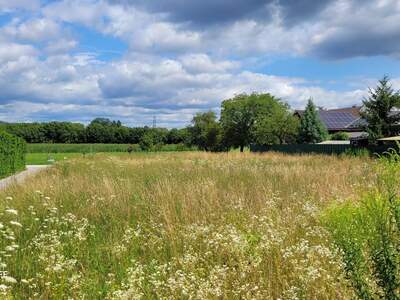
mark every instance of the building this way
{"type": "Point", "coordinates": [341, 120]}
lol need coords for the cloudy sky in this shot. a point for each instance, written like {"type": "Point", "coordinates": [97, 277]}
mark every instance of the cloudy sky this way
{"type": "Point", "coordinates": [134, 59]}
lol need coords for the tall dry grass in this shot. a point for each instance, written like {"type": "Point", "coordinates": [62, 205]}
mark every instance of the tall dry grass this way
{"type": "Point", "coordinates": [180, 226]}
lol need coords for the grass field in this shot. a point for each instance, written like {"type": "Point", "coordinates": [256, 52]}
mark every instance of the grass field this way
{"type": "Point", "coordinates": [178, 226]}
{"type": "Point", "coordinates": [48, 158]}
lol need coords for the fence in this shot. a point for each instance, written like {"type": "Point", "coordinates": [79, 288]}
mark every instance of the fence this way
{"type": "Point", "coordinates": [319, 149]}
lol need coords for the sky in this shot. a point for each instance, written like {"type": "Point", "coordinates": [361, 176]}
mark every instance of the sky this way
{"type": "Point", "coordinates": [131, 60]}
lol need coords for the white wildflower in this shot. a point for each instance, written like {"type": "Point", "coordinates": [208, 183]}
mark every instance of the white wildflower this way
{"type": "Point", "coordinates": [12, 211]}
{"type": "Point", "coordinates": [3, 288]}
{"type": "Point", "coordinates": [9, 248]}
{"type": "Point", "coordinates": [9, 198]}
{"type": "Point", "coordinates": [16, 223]}
{"type": "Point", "coordinates": [9, 279]}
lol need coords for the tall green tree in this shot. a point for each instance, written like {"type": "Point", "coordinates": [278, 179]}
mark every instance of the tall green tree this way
{"type": "Point", "coordinates": [312, 130]}
{"type": "Point", "coordinates": [379, 111]}
{"type": "Point", "coordinates": [205, 131]}
{"type": "Point", "coordinates": [278, 126]}
{"type": "Point", "coordinates": [239, 116]}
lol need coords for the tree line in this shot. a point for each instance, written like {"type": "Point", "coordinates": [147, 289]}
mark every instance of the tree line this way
{"type": "Point", "coordinates": [100, 130]}
{"type": "Point", "coordinates": [265, 120]}
{"type": "Point", "coordinates": [255, 118]}
{"type": "Point", "coordinates": [245, 119]}
{"type": "Point", "coordinates": [260, 118]}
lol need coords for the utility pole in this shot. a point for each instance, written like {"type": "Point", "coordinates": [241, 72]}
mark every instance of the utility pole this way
{"type": "Point", "coordinates": [154, 121]}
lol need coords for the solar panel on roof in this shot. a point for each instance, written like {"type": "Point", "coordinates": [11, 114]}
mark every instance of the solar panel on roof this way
{"type": "Point", "coordinates": [336, 120]}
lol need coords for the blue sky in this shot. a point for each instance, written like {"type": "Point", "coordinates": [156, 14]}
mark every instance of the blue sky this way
{"type": "Point", "coordinates": [134, 59]}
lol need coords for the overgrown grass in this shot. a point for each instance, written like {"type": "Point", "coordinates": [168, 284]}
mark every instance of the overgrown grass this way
{"type": "Point", "coordinates": [367, 233]}
{"type": "Point", "coordinates": [178, 226]}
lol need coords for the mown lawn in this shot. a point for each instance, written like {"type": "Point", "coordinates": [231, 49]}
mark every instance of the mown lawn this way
{"type": "Point", "coordinates": [178, 226]}
{"type": "Point", "coordinates": [46, 159]}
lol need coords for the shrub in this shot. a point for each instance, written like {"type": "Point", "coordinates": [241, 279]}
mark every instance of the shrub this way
{"type": "Point", "coordinates": [12, 154]}
{"type": "Point", "coordinates": [340, 136]}
{"type": "Point", "coordinates": [357, 152]}
{"type": "Point", "coordinates": [368, 235]}
{"type": "Point", "coordinates": [78, 148]}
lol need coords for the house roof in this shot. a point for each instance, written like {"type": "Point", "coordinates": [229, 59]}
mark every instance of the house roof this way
{"type": "Point", "coordinates": [338, 119]}
{"type": "Point", "coordinates": [354, 110]}
{"type": "Point", "coordinates": [392, 138]}
{"type": "Point", "coordinates": [334, 143]}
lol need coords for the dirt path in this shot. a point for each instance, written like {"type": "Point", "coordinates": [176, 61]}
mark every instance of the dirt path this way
{"type": "Point", "coordinates": [20, 177]}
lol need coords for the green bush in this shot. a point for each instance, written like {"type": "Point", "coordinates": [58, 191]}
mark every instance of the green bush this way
{"type": "Point", "coordinates": [357, 152]}
{"type": "Point", "coordinates": [96, 148]}
{"type": "Point", "coordinates": [368, 235]}
{"type": "Point", "coordinates": [340, 136]}
{"type": "Point", "coordinates": [78, 148]}
{"type": "Point", "coordinates": [12, 154]}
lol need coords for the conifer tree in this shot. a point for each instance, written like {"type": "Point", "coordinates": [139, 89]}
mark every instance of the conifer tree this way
{"type": "Point", "coordinates": [381, 111]}
{"type": "Point", "coordinates": [312, 130]}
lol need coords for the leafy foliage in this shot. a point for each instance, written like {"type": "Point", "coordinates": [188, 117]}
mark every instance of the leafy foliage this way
{"type": "Point", "coordinates": [278, 126]}
{"type": "Point", "coordinates": [368, 234]}
{"type": "Point", "coordinates": [152, 140]}
{"type": "Point", "coordinates": [205, 131]}
{"type": "Point", "coordinates": [99, 131]}
{"type": "Point", "coordinates": [312, 130]}
{"type": "Point", "coordinates": [379, 111]}
{"type": "Point", "coordinates": [240, 115]}
{"type": "Point", "coordinates": [340, 136]}
{"type": "Point", "coordinates": [12, 154]}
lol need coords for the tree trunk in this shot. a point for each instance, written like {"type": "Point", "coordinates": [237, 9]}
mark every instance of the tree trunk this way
{"type": "Point", "coordinates": [241, 148]}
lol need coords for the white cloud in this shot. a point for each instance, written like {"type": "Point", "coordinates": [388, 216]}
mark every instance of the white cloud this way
{"type": "Point", "coordinates": [35, 30]}
{"type": "Point", "coordinates": [172, 68]}
{"type": "Point", "coordinates": [202, 63]}
{"type": "Point", "coordinates": [10, 52]}
{"type": "Point", "coordinates": [7, 5]}
{"type": "Point", "coordinates": [87, 12]}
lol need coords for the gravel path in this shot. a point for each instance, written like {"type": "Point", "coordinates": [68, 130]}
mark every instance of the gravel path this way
{"type": "Point", "coordinates": [20, 177]}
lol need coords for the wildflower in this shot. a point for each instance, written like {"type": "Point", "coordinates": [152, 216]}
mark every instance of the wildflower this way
{"type": "Point", "coordinates": [9, 248]}
{"type": "Point", "coordinates": [12, 211]}
{"type": "Point", "coordinates": [57, 268]}
{"type": "Point", "coordinates": [9, 198]}
{"type": "Point", "coordinates": [47, 198]}
{"type": "Point", "coordinates": [3, 288]}
{"type": "Point", "coordinates": [24, 281]}
{"type": "Point", "coordinates": [16, 223]}
{"type": "Point", "coordinates": [9, 279]}
{"type": "Point", "coordinates": [1, 226]}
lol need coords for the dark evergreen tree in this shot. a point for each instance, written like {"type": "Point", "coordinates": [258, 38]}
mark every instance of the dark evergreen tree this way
{"type": "Point", "coordinates": [381, 111]}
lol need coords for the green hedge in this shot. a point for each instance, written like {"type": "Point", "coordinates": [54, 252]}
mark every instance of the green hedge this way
{"type": "Point", "coordinates": [95, 148]}
{"type": "Point", "coordinates": [12, 154]}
